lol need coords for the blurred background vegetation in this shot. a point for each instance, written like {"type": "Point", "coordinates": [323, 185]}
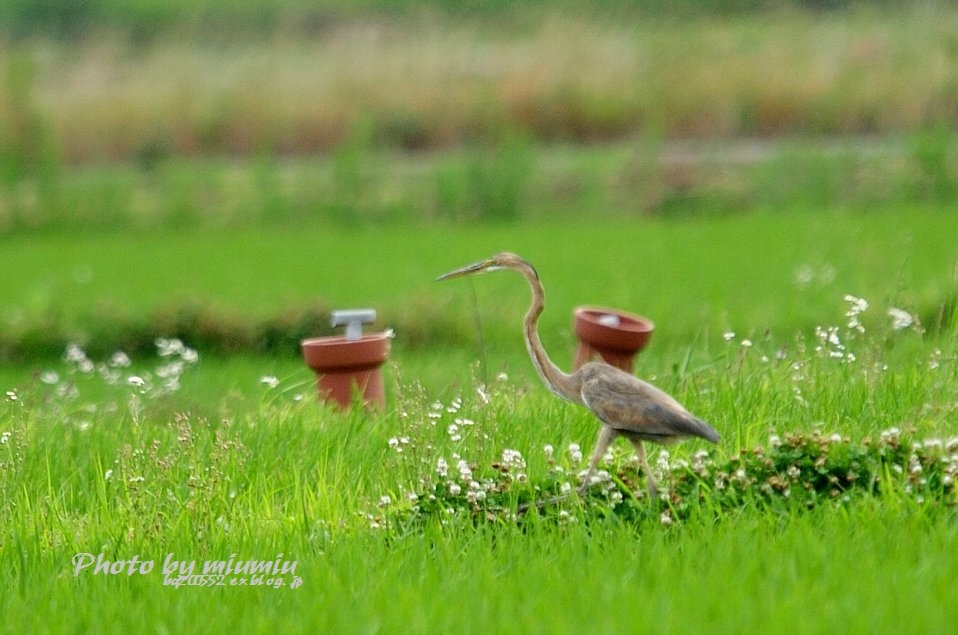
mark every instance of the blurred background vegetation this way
{"type": "Point", "coordinates": [431, 110]}
{"type": "Point", "coordinates": [148, 18]}
{"type": "Point", "coordinates": [140, 116]}
{"type": "Point", "coordinates": [108, 80]}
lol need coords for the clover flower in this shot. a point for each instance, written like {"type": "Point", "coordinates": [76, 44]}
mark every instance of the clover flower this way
{"type": "Point", "coordinates": [512, 459]}
{"type": "Point", "coordinates": [465, 472]}
{"type": "Point", "coordinates": [575, 452]}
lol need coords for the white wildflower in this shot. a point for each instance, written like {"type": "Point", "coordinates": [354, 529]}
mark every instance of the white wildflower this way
{"type": "Point", "coordinates": [75, 354]}
{"type": "Point", "coordinates": [890, 434]}
{"type": "Point", "coordinates": [167, 347]}
{"type": "Point", "coordinates": [662, 460]}
{"type": "Point", "coordinates": [475, 495]}
{"type": "Point", "coordinates": [513, 459]}
{"type": "Point", "coordinates": [900, 319]}
{"type": "Point", "coordinates": [119, 359]}
{"type": "Point", "coordinates": [465, 472]}
{"type": "Point", "coordinates": [50, 378]}
{"type": "Point", "coordinates": [189, 355]}
{"type": "Point", "coordinates": [858, 306]}
{"type": "Point", "coordinates": [575, 452]}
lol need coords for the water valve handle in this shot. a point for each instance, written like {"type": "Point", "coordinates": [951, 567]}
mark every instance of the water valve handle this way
{"type": "Point", "coordinates": [353, 319]}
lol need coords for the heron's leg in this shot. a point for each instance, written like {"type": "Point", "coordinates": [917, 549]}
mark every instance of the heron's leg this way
{"type": "Point", "coordinates": [644, 462]}
{"type": "Point", "coordinates": [606, 436]}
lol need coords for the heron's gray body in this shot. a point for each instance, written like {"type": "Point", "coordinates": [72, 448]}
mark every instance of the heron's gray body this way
{"type": "Point", "coordinates": [636, 409]}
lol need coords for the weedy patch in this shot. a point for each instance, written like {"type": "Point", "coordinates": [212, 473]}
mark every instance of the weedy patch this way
{"type": "Point", "coordinates": [800, 470]}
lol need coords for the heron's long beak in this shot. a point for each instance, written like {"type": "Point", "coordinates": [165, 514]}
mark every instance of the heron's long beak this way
{"type": "Point", "coordinates": [475, 267]}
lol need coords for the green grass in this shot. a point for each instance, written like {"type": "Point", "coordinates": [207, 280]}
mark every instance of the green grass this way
{"type": "Point", "coordinates": [290, 477]}
{"type": "Point", "coordinates": [809, 575]}
{"type": "Point", "coordinates": [783, 271]}
{"type": "Point", "coordinates": [231, 466]}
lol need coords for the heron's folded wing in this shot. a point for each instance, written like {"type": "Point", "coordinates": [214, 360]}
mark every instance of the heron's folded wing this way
{"type": "Point", "coordinates": [636, 408]}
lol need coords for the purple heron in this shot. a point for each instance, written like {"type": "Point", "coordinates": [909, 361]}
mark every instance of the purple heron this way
{"type": "Point", "coordinates": [627, 406]}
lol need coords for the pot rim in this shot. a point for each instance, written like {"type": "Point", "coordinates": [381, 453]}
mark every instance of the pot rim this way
{"type": "Point", "coordinates": [631, 334]}
{"type": "Point", "coordinates": [334, 353]}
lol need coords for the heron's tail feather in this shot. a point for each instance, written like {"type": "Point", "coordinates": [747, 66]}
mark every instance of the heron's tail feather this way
{"type": "Point", "coordinates": [700, 428]}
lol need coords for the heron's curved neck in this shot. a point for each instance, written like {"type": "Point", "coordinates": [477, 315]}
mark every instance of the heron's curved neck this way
{"type": "Point", "coordinates": [558, 382]}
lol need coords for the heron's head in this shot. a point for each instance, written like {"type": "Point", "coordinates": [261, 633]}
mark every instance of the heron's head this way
{"type": "Point", "coordinates": [505, 260]}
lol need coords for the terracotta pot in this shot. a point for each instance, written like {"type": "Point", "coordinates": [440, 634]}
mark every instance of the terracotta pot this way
{"type": "Point", "coordinates": [614, 336]}
{"type": "Point", "coordinates": [345, 367]}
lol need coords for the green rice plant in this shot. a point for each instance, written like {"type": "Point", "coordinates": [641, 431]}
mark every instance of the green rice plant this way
{"type": "Point", "coordinates": [830, 488]}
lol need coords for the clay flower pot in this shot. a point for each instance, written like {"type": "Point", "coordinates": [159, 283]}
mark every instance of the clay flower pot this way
{"type": "Point", "coordinates": [614, 336]}
{"type": "Point", "coordinates": [346, 367]}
